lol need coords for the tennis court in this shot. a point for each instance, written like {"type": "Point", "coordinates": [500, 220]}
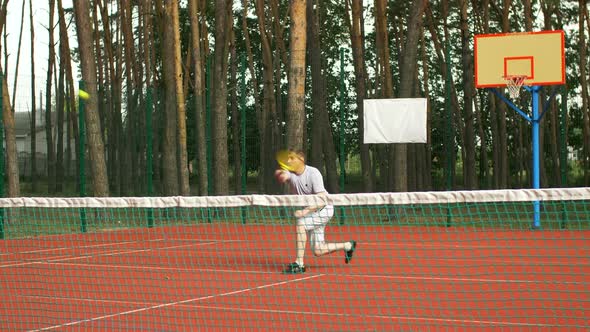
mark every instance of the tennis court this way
{"type": "Point", "coordinates": [219, 274]}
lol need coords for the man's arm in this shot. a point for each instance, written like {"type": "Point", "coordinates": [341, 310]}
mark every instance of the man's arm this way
{"type": "Point", "coordinates": [310, 209]}
{"type": "Point", "coordinates": [282, 175]}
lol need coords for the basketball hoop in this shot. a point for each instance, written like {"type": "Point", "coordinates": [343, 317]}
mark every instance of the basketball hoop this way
{"type": "Point", "coordinates": [514, 83]}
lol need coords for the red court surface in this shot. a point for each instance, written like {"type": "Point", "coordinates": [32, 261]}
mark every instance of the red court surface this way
{"type": "Point", "coordinates": [228, 277]}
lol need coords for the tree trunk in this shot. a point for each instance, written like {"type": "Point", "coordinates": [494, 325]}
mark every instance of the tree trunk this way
{"type": "Point", "coordinates": [34, 184]}
{"type": "Point", "coordinates": [71, 102]}
{"type": "Point", "coordinates": [384, 89]}
{"type": "Point", "coordinates": [425, 169]}
{"type": "Point", "coordinates": [129, 161]}
{"type": "Point", "coordinates": [180, 107]}
{"type": "Point", "coordinates": [59, 128]}
{"type": "Point", "coordinates": [253, 79]}
{"type": "Point", "coordinates": [235, 117]}
{"type": "Point", "coordinates": [469, 168]}
{"type": "Point", "coordinates": [502, 138]}
{"type": "Point", "coordinates": [93, 131]}
{"type": "Point", "coordinates": [296, 95]}
{"type": "Point", "coordinates": [170, 138]}
{"type": "Point", "coordinates": [267, 123]}
{"type": "Point", "coordinates": [48, 117]}
{"type": "Point", "coordinates": [12, 176]}
{"type": "Point", "coordinates": [110, 93]}
{"type": "Point", "coordinates": [199, 99]}
{"type": "Point", "coordinates": [360, 88]}
{"type": "Point", "coordinates": [280, 62]}
{"type": "Point", "coordinates": [322, 139]}
{"type": "Point", "coordinates": [223, 19]}
{"type": "Point", "coordinates": [20, 38]}
{"type": "Point", "coordinates": [584, 86]}
{"type": "Point", "coordinates": [407, 70]}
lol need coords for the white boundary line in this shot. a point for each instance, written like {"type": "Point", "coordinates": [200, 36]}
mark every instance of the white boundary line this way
{"type": "Point", "coordinates": [290, 312]}
{"type": "Point", "coordinates": [390, 317]}
{"type": "Point", "coordinates": [116, 244]}
{"type": "Point", "coordinates": [373, 276]}
{"type": "Point", "coordinates": [61, 258]}
{"type": "Point", "coordinates": [163, 305]}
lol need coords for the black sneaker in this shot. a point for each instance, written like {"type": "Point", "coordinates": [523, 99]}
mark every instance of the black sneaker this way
{"type": "Point", "coordinates": [348, 253]}
{"type": "Point", "coordinates": [294, 268]}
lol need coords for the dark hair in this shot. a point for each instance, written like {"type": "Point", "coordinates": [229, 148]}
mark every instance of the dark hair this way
{"type": "Point", "coordinates": [298, 151]}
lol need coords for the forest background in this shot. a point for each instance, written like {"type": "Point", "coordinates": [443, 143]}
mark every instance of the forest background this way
{"type": "Point", "coordinates": [194, 97]}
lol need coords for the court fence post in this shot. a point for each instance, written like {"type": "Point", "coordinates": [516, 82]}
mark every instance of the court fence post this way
{"type": "Point", "coordinates": [81, 155]}
{"type": "Point", "coordinates": [149, 107]}
{"type": "Point", "coordinates": [208, 139]}
{"type": "Point", "coordinates": [342, 133]}
{"type": "Point", "coordinates": [563, 151]}
{"type": "Point", "coordinates": [449, 137]}
{"type": "Point", "coordinates": [244, 168]}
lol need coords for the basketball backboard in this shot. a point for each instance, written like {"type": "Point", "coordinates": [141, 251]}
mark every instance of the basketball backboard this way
{"type": "Point", "coordinates": [539, 56]}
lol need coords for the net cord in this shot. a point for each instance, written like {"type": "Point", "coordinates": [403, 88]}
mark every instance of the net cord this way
{"type": "Point", "coordinates": [387, 198]}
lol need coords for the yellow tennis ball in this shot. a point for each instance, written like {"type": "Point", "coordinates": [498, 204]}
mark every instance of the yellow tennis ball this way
{"type": "Point", "coordinates": [83, 94]}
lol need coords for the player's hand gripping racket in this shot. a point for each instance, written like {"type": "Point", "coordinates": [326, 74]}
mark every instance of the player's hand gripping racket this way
{"type": "Point", "coordinates": [282, 158]}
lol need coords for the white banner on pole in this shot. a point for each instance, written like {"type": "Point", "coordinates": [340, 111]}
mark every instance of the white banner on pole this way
{"type": "Point", "coordinates": [401, 120]}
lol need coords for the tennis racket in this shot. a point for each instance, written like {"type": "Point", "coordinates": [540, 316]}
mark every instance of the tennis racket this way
{"type": "Point", "coordinates": [282, 158]}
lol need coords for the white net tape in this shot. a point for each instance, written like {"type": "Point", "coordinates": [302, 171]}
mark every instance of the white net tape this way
{"type": "Point", "coordinates": [432, 197]}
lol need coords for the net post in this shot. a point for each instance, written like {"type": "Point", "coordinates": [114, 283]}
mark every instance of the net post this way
{"type": "Point", "coordinates": [81, 155]}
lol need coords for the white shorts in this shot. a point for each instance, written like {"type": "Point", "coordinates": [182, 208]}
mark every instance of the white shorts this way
{"type": "Point", "coordinates": [315, 224]}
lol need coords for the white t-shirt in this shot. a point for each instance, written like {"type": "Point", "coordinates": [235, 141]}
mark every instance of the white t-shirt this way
{"type": "Point", "coordinates": [307, 183]}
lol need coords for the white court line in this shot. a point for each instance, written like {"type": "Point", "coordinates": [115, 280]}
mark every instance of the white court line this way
{"type": "Point", "coordinates": [164, 305]}
{"type": "Point", "coordinates": [373, 276]}
{"type": "Point", "coordinates": [514, 261]}
{"type": "Point", "coordinates": [110, 253]}
{"type": "Point", "coordinates": [389, 317]}
{"type": "Point", "coordinates": [64, 248]}
{"type": "Point", "coordinates": [483, 280]}
{"type": "Point", "coordinates": [429, 244]}
{"type": "Point", "coordinates": [161, 268]}
{"type": "Point", "coordinates": [114, 244]}
{"type": "Point", "coordinates": [311, 313]}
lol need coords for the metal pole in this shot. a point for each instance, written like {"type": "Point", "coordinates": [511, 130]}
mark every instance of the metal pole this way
{"type": "Point", "coordinates": [81, 155]}
{"type": "Point", "coordinates": [536, 157]}
{"type": "Point", "coordinates": [342, 121]}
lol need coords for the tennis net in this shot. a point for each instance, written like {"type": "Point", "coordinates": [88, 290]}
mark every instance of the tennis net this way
{"type": "Point", "coordinates": [457, 260]}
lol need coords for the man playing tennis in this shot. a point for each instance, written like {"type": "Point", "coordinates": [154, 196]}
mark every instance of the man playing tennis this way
{"type": "Point", "coordinates": [312, 220]}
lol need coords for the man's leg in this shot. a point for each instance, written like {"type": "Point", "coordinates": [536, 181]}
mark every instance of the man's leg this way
{"type": "Point", "coordinates": [323, 248]}
{"type": "Point", "coordinates": [301, 241]}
